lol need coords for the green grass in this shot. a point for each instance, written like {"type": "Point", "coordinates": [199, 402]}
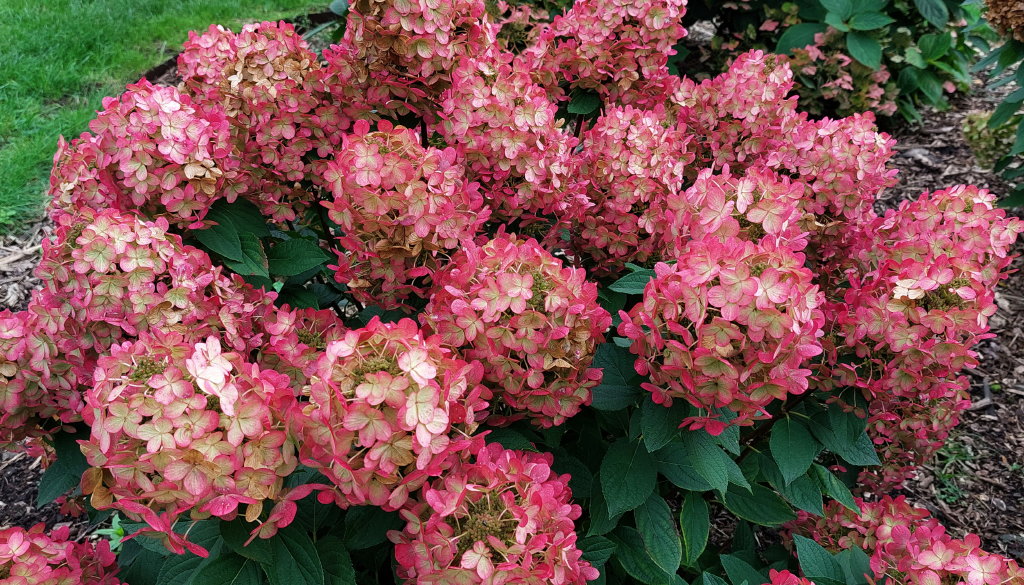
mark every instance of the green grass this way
{"type": "Point", "coordinates": [61, 57]}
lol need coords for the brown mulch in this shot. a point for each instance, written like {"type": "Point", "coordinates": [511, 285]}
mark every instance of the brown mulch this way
{"type": "Point", "coordinates": [976, 484]}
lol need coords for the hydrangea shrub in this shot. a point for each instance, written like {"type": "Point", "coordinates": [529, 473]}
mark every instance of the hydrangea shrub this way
{"type": "Point", "coordinates": [481, 296]}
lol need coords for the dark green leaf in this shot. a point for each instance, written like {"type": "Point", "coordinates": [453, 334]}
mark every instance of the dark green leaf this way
{"type": "Point", "coordinates": [696, 524]}
{"type": "Point", "coordinates": [633, 283]}
{"type": "Point", "coordinates": [337, 564]}
{"type": "Point", "coordinates": [632, 556]}
{"type": "Point", "coordinates": [580, 477]}
{"type": "Point", "coordinates": [618, 388]}
{"type": "Point", "coordinates": [793, 448]}
{"type": "Point", "coordinates": [295, 256]}
{"type": "Point", "coordinates": [740, 571]}
{"type": "Point", "coordinates": [864, 49]}
{"type": "Point", "coordinates": [856, 565]}
{"type": "Point", "coordinates": [934, 11]}
{"type": "Point", "coordinates": [510, 439]}
{"type": "Point", "coordinates": [804, 493]}
{"type": "Point", "coordinates": [584, 102]}
{"type": "Point", "coordinates": [817, 563]}
{"type": "Point", "coordinates": [1003, 113]}
{"type": "Point", "coordinates": [600, 521]}
{"type": "Point", "coordinates": [760, 506]}
{"type": "Point", "coordinates": [236, 532]}
{"type": "Point", "coordinates": [842, 8]}
{"type": "Point", "coordinates": [628, 475]}
{"type": "Point", "coordinates": [367, 526]}
{"type": "Point", "coordinates": [64, 474]}
{"type": "Point", "coordinates": [597, 550]}
{"type": "Point", "coordinates": [870, 20]}
{"type": "Point", "coordinates": [253, 260]}
{"type": "Point", "coordinates": [710, 579]}
{"type": "Point", "coordinates": [658, 531]}
{"type": "Point", "coordinates": [674, 463]}
{"type": "Point", "coordinates": [798, 36]}
{"type": "Point", "coordinates": [181, 569]}
{"type": "Point", "coordinates": [710, 462]}
{"type": "Point", "coordinates": [1018, 146]}
{"type": "Point", "coordinates": [834, 488]}
{"type": "Point", "coordinates": [222, 239]}
{"type": "Point", "coordinates": [935, 46]}
{"type": "Point", "coordinates": [296, 561]}
{"type": "Point", "coordinates": [242, 215]}
{"type": "Point", "coordinates": [660, 424]}
{"type": "Point", "coordinates": [144, 566]}
{"type": "Point", "coordinates": [229, 569]}
{"type": "Point", "coordinates": [298, 297]}
{"type": "Point", "coordinates": [837, 22]}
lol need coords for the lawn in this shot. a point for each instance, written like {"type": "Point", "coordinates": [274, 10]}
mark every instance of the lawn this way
{"type": "Point", "coordinates": [61, 57]}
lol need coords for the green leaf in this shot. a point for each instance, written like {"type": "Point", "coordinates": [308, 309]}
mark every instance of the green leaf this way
{"type": "Point", "coordinates": [710, 462]}
{"type": "Point", "coordinates": [1018, 146]}
{"type": "Point", "coordinates": [856, 565]}
{"type": "Point", "coordinates": [837, 22]}
{"type": "Point", "coordinates": [660, 424]}
{"type": "Point", "coordinates": [740, 571]}
{"type": "Point", "coordinates": [760, 506]}
{"type": "Point", "coordinates": [229, 569]}
{"type": "Point", "coordinates": [628, 476]}
{"type": "Point", "coordinates": [834, 488]}
{"type": "Point", "coordinates": [934, 11]}
{"type": "Point", "coordinates": [296, 561]}
{"type": "Point", "coordinates": [804, 493]}
{"type": "Point", "coordinates": [236, 532]}
{"type": "Point", "coordinates": [710, 579]}
{"type": "Point", "coordinates": [580, 478]}
{"type": "Point", "coordinates": [793, 447]}
{"type": "Point", "coordinates": [798, 36]}
{"type": "Point", "coordinates": [935, 46]}
{"type": "Point", "coordinates": [243, 215]}
{"type": "Point", "coordinates": [600, 521]}
{"type": "Point", "coordinates": [618, 388]}
{"type": "Point", "coordinates": [510, 439]}
{"type": "Point", "coordinates": [295, 256]}
{"type": "Point", "coordinates": [337, 563]}
{"type": "Point", "coordinates": [64, 474]}
{"type": "Point", "coordinates": [870, 21]}
{"type": "Point", "coordinates": [633, 283]}
{"type": "Point", "coordinates": [658, 531]}
{"type": "Point", "coordinates": [584, 101]}
{"type": "Point", "coordinates": [817, 563]}
{"type": "Point", "coordinates": [1003, 113]}
{"type": "Point", "coordinates": [674, 463]}
{"type": "Point", "coordinates": [695, 521]}
{"type": "Point", "coordinates": [222, 239]}
{"type": "Point", "coordinates": [139, 565]}
{"type": "Point", "coordinates": [632, 556]}
{"type": "Point", "coordinates": [596, 550]}
{"type": "Point", "coordinates": [864, 49]}
{"type": "Point", "coordinates": [367, 526]}
{"type": "Point", "coordinates": [842, 8]}
{"type": "Point", "coordinates": [845, 434]}
{"type": "Point", "coordinates": [181, 569]}
{"type": "Point", "coordinates": [254, 258]}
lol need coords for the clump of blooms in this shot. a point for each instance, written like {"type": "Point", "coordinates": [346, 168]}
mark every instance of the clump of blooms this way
{"type": "Point", "coordinates": [607, 46]}
{"type": "Point", "coordinates": [107, 277]}
{"type": "Point", "coordinates": [729, 326]}
{"type": "Point", "coordinates": [532, 323]}
{"type": "Point", "coordinates": [262, 80]}
{"type": "Point", "coordinates": [1007, 16]}
{"type": "Point", "coordinates": [296, 339]}
{"type": "Point", "coordinates": [917, 302]}
{"type": "Point", "coordinates": [497, 517]}
{"type": "Point", "coordinates": [635, 160]}
{"type": "Point", "coordinates": [34, 557]}
{"type": "Point", "coordinates": [401, 208]}
{"type": "Point", "coordinates": [757, 206]}
{"type": "Point", "coordinates": [183, 426]}
{"type": "Point", "coordinates": [907, 545]}
{"type": "Point", "coordinates": [412, 47]}
{"type": "Point", "coordinates": [505, 125]}
{"type": "Point", "coordinates": [845, 84]}
{"type": "Point", "coordinates": [385, 409]}
{"type": "Point", "coordinates": [786, 578]}
{"type": "Point", "coordinates": [154, 151]}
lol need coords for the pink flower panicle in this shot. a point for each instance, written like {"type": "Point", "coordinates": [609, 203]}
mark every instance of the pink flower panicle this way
{"type": "Point", "coordinates": [532, 323]}
{"type": "Point", "coordinates": [35, 557]}
{"type": "Point", "coordinates": [729, 326]}
{"type": "Point", "coordinates": [401, 208]}
{"type": "Point", "coordinates": [385, 409]}
{"type": "Point", "coordinates": [182, 426]}
{"type": "Point", "coordinates": [154, 151]}
{"type": "Point", "coordinates": [498, 517]}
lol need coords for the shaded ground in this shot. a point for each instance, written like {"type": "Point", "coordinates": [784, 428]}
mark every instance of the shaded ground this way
{"type": "Point", "coordinates": [975, 484]}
